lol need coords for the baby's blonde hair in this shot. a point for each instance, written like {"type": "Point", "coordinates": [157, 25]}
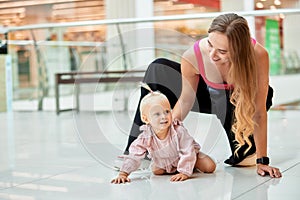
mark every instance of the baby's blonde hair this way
{"type": "Point", "coordinates": [148, 99]}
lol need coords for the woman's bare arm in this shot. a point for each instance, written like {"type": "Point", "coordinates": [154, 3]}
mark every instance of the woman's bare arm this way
{"type": "Point", "coordinates": [260, 117]}
{"type": "Point", "coordinates": [190, 79]}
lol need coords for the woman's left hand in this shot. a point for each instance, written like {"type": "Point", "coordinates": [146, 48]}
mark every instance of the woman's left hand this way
{"type": "Point", "coordinates": [266, 169]}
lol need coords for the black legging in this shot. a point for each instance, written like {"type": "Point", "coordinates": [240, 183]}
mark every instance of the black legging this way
{"type": "Point", "coordinates": [165, 76]}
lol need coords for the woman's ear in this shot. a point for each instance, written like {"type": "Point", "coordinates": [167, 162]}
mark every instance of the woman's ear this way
{"type": "Point", "coordinates": [145, 119]}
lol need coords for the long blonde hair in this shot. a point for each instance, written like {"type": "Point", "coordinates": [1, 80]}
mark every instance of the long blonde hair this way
{"type": "Point", "coordinates": [242, 74]}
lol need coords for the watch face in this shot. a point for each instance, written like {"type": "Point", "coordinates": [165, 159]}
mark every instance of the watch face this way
{"type": "Point", "coordinates": [263, 160]}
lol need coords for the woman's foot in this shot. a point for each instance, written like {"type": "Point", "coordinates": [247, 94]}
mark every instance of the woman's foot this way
{"type": "Point", "coordinates": [250, 160]}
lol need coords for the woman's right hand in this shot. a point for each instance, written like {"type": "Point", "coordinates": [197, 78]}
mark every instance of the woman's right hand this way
{"type": "Point", "coordinates": [176, 122]}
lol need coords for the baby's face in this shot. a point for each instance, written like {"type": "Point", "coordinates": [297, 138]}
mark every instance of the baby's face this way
{"type": "Point", "coordinates": [159, 115]}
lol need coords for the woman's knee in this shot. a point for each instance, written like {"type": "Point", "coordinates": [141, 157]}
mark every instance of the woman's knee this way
{"type": "Point", "coordinates": [156, 64]}
{"type": "Point", "coordinates": [163, 61]}
{"type": "Point", "coordinates": [159, 63]}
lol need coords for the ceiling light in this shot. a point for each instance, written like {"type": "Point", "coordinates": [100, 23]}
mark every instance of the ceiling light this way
{"type": "Point", "coordinates": [277, 2]}
{"type": "Point", "coordinates": [259, 5]}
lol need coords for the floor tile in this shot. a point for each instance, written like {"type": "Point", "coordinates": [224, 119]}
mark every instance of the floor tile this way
{"type": "Point", "coordinates": [72, 156]}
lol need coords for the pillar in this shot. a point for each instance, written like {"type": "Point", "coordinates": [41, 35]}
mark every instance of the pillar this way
{"type": "Point", "coordinates": [137, 38]}
{"type": "Point", "coordinates": [5, 83]}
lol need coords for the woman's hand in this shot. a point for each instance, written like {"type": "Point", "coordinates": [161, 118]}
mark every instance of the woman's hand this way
{"type": "Point", "coordinates": [176, 122]}
{"type": "Point", "coordinates": [266, 169]}
{"type": "Point", "coordinates": [122, 178]}
{"type": "Point", "coordinates": [179, 177]}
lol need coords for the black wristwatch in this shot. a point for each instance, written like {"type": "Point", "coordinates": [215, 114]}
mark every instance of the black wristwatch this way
{"type": "Point", "coordinates": [263, 160]}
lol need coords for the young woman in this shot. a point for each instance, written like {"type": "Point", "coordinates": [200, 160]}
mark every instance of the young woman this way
{"type": "Point", "coordinates": [226, 74]}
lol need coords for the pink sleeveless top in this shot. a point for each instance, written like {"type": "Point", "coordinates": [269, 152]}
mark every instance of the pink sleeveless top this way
{"type": "Point", "coordinates": [202, 70]}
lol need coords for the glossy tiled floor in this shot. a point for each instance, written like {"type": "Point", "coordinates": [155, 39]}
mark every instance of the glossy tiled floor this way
{"type": "Point", "coordinates": [72, 156]}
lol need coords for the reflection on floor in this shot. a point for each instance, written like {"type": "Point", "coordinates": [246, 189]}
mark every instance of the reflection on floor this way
{"type": "Point", "coordinates": [72, 156]}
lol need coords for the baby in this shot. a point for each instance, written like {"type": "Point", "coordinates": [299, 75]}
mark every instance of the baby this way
{"type": "Point", "coordinates": [170, 147]}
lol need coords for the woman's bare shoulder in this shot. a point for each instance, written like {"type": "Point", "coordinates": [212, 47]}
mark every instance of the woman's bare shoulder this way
{"type": "Point", "coordinates": [189, 60]}
{"type": "Point", "coordinates": [260, 50]}
{"type": "Point", "coordinates": [189, 53]}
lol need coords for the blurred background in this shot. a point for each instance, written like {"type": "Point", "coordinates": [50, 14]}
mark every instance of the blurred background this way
{"type": "Point", "coordinates": [42, 38]}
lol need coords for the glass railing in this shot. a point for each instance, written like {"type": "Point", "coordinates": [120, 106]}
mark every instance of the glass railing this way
{"type": "Point", "coordinates": [40, 51]}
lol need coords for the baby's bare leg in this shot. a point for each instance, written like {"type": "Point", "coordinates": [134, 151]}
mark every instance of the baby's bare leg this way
{"type": "Point", "coordinates": [204, 163]}
{"type": "Point", "coordinates": [158, 171]}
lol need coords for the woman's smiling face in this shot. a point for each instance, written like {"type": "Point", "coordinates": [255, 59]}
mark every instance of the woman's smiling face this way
{"type": "Point", "coordinates": [218, 49]}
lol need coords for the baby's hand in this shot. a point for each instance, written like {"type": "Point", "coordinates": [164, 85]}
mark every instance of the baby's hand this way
{"type": "Point", "coordinates": [122, 178]}
{"type": "Point", "coordinates": [179, 177]}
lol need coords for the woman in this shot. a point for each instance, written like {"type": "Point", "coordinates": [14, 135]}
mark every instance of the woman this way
{"type": "Point", "coordinates": [227, 74]}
